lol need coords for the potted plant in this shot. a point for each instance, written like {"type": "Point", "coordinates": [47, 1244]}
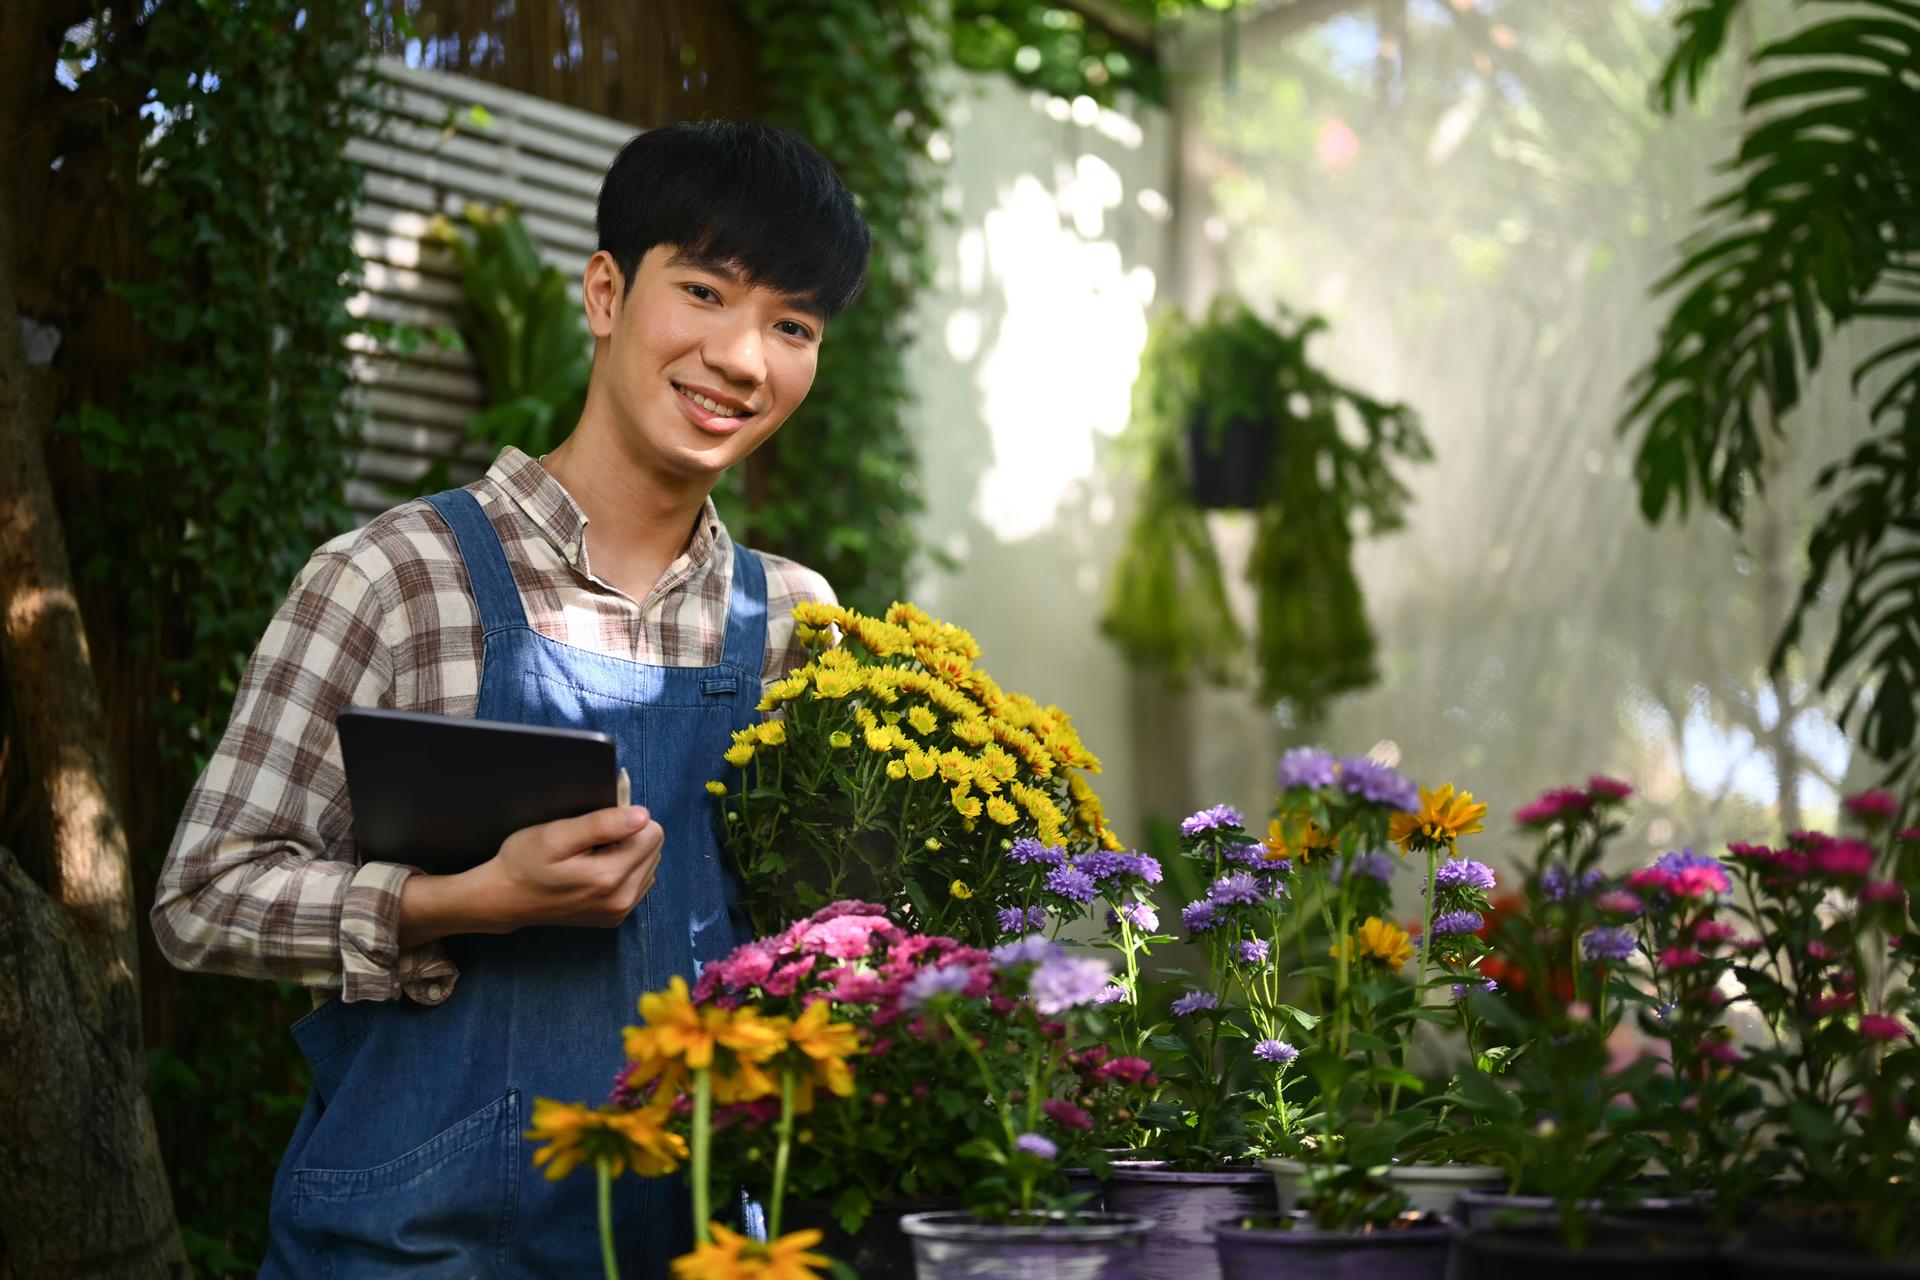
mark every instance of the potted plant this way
{"type": "Point", "coordinates": [1358, 1224]}
{"type": "Point", "coordinates": [1578, 1124]}
{"type": "Point", "coordinates": [1829, 962]}
{"type": "Point", "coordinates": [897, 770]}
{"type": "Point", "coordinates": [1230, 411]}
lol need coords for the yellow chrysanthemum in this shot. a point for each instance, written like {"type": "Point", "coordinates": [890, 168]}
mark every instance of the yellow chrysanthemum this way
{"type": "Point", "coordinates": [783, 691]}
{"type": "Point", "coordinates": [716, 788]}
{"type": "Point", "coordinates": [576, 1134]}
{"type": "Point", "coordinates": [1387, 943]}
{"type": "Point", "coordinates": [965, 804]}
{"type": "Point", "coordinates": [1444, 817]}
{"type": "Point", "coordinates": [818, 613]}
{"type": "Point", "coordinates": [1295, 836]}
{"type": "Point", "coordinates": [922, 720]}
{"type": "Point", "coordinates": [956, 766]}
{"type": "Point", "coordinates": [736, 1257]}
{"type": "Point", "coordinates": [738, 755]}
{"type": "Point", "coordinates": [960, 888]}
{"type": "Point", "coordinates": [921, 766]}
{"type": "Point", "coordinates": [896, 769]}
{"type": "Point", "coordinates": [881, 639]}
{"type": "Point", "coordinates": [829, 683]}
{"type": "Point", "coordinates": [771, 733]}
{"type": "Point", "coordinates": [1001, 810]}
{"type": "Point", "coordinates": [840, 738]}
{"type": "Point", "coordinates": [975, 733]}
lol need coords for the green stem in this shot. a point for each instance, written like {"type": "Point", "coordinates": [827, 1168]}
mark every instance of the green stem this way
{"type": "Point", "coordinates": [702, 1142]}
{"type": "Point", "coordinates": [785, 1134]}
{"type": "Point", "coordinates": [607, 1259]}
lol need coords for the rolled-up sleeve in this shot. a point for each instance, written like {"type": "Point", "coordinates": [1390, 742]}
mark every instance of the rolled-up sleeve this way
{"type": "Point", "coordinates": [262, 878]}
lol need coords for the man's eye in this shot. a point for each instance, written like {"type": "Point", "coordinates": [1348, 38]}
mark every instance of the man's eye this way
{"type": "Point", "coordinates": [794, 329]}
{"type": "Point", "coordinates": [701, 292]}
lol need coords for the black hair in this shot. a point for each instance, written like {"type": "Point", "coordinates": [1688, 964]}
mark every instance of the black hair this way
{"type": "Point", "coordinates": [743, 194]}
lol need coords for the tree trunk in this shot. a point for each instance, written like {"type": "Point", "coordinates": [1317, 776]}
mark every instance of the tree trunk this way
{"type": "Point", "coordinates": [82, 1189]}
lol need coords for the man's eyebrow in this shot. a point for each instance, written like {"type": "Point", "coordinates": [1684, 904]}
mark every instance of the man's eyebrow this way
{"type": "Point", "coordinates": [686, 259]}
{"type": "Point", "coordinates": [702, 262]}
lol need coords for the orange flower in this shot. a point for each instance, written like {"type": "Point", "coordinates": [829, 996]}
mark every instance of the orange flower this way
{"type": "Point", "coordinates": [729, 1256]}
{"type": "Point", "coordinates": [1443, 818]}
{"type": "Point", "coordinates": [682, 1037]}
{"type": "Point", "coordinates": [575, 1134]}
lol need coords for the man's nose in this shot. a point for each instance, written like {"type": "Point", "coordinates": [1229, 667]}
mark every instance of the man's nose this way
{"type": "Point", "coordinates": [736, 350]}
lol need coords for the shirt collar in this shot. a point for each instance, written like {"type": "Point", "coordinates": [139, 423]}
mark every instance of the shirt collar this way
{"type": "Point", "coordinates": [559, 519]}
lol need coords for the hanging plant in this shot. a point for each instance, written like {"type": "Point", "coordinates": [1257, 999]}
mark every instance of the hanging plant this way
{"type": "Point", "coordinates": [1230, 412]}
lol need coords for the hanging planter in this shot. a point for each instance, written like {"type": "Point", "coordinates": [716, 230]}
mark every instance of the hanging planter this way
{"type": "Point", "coordinates": [1229, 413]}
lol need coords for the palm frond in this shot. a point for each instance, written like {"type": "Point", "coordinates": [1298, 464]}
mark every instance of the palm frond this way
{"type": "Point", "coordinates": [1703, 33]}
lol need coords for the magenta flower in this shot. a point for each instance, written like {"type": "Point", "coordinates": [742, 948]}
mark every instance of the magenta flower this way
{"type": "Point", "coordinates": [1067, 1115]}
{"type": "Point", "coordinates": [1844, 859]}
{"type": "Point", "coordinates": [1872, 806]}
{"type": "Point", "coordinates": [846, 937]}
{"type": "Point", "coordinates": [1821, 1006]}
{"type": "Point", "coordinates": [1820, 951]}
{"type": "Point", "coordinates": [1881, 891]}
{"type": "Point", "coordinates": [1680, 958]}
{"type": "Point", "coordinates": [1878, 1026]}
{"type": "Point", "coordinates": [1553, 806]}
{"type": "Point", "coordinates": [1720, 1050]}
{"type": "Point", "coordinates": [1618, 902]}
{"type": "Point", "coordinates": [1710, 933]}
{"type": "Point", "coordinates": [1605, 790]}
{"type": "Point", "coordinates": [1125, 1070]}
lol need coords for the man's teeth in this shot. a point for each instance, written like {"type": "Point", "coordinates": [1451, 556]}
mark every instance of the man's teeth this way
{"type": "Point", "coordinates": [712, 406]}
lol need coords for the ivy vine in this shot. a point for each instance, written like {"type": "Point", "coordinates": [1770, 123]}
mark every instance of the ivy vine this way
{"type": "Point", "coordinates": [211, 479]}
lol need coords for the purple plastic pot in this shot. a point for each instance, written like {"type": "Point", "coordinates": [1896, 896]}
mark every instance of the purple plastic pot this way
{"type": "Point", "coordinates": [1260, 1252]}
{"type": "Point", "coordinates": [1616, 1249]}
{"type": "Point", "coordinates": [1429, 1188]}
{"type": "Point", "coordinates": [878, 1248]}
{"type": "Point", "coordinates": [1186, 1205]}
{"type": "Point", "coordinates": [958, 1246]}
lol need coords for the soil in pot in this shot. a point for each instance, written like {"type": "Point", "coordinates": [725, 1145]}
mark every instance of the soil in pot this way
{"type": "Point", "coordinates": [1291, 1246]}
{"type": "Point", "coordinates": [958, 1246]}
{"type": "Point", "coordinates": [1617, 1248]}
{"type": "Point", "coordinates": [1186, 1205]}
{"type": "Point", "coordinates": [879, 1249]}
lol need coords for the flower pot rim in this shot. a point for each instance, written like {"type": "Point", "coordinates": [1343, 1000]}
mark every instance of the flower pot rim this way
{"type": "Point", "coordinates": [1157, 1171]}
{"type": "Point", "coordinates": [1425, 1233]}
{"type": "Point", "coordinates": [1491, 1199]}
{"type": "Point", "coordinates": [1093, 1228]}
{"type": "Point", "coordinates": [1448, 1172]}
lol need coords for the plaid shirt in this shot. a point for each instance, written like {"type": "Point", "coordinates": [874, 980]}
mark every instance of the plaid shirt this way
{"type": "Point", "coordinates": [262, 879]}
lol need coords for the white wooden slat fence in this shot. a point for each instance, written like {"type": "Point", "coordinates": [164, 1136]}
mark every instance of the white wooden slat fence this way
{"type": "Point", "coordinates": [544, 158]}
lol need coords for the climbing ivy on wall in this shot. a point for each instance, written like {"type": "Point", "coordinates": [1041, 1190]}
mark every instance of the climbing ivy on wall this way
{"type": "Point", "coordinates": [207, 480]}
{"type": "Point", "coordinates": [855, 78]}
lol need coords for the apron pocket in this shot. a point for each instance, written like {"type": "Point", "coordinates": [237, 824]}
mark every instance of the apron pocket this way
{"type": "Point", "coordinates": [443, 1209]}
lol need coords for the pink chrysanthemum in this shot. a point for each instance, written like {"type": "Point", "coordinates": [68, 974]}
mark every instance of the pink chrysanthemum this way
{"type": "Point", "coordinates": [1872, 806]}
{"type": "Point", "coordinates": [1605, 790]}
{"type": "Point", "coordinates": [1680, 958]}
{"type": "Point", "coordinates": [1878, 1026]}
{"type": "Point", "coordinates": [1553, 806]}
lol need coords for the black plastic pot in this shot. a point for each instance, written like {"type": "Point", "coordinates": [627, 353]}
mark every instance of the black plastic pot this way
{"type": "Point", "coordinates": [1763, 1253]}
{"type": "Point", "coordinates": [1227, 470]}
{"type": "Point", "coordinates": [879, 1248]}
{"type": "Point", "coordinates": [1617, 1249]}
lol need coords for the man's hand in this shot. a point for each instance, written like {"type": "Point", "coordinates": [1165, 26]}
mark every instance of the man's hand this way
{"type": "Point", "coordinates": [591, 870]}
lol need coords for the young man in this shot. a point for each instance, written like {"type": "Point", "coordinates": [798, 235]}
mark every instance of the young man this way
{"type": "Point", "coordinates": [592, 588]}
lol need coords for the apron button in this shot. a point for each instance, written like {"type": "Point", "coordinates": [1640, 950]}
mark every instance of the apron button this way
{"type": "Point", "coordinates": [435, 991]}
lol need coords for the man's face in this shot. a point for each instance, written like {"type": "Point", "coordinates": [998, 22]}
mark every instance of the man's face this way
{"type": "Point", "coordinates": [700, 366]}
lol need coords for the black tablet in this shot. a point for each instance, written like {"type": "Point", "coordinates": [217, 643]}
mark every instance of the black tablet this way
{"type": "Point", "coordinates": [442, 793]}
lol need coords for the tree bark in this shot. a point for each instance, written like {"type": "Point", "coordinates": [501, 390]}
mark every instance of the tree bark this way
{"type": "Point", "coordinates": [83, 1192]}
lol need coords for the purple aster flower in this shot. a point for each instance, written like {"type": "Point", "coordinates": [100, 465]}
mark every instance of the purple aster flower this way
{"type": "Point", "coordinates": [1456, 922]}
{"type": "Point", "coordinates": [1194, 1002]}
{"type": "Point", "coordinates": [1033, 949]}
{"type": "Point", "coordinates": [1140, 915]}
{"type": "Point", "coordinates": [1102, 864]}
{"type": "Point", "coordinates": [1378, 864]}
{"type": "Point", "coordinates": [1556, 882]}
{"type": "Point", "coordinates": [1035, 1144]}
{"type": "Point", "coordinates": [1071, 883]}
{"type": "Point", "coordinates": [1246, 855]}
{"type": "Point", "coordinates": [929, 983]}
{"type": "Point", "coordinates": [1608, 944]}
{"type": "Point", "coordinates": [1371, 780]}
{"type": "Point", "coordinates": [1112, 993]}
{"type": "Point", "coordinates": [1200, 916]}
{"type": "Point", "coordinates": [1305, 767]}
{"type": "Point", "coordinates": [1273, 868]}
{"type": "Point", "coordinates": [1239, 888]}
{"type": "Point", "coordinates": [1251, 951]}
{"type": "Point", "coordinates": [1214, 819]}
{"type": "Point", "coordinates": [1145, 866]}
{"type": "Point", "coordinates": [1461, 990]}
{"type": "Point", "coordinates": [1464, 873]}
{"type": "Point", "coordinates": [1064, 981]}
{"type": "Point", "coordinates": [1027, 850]}
{"type": "Point", "coordinates": [1278, 1052]}
{"type": "Point", "coordinates": [1019, 920]}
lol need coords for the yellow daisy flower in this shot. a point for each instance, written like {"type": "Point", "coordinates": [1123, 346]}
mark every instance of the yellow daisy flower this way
{"type": "Point", "coordinates": [964, 804]}
{"type": "Point", "coordinates": [896, 769]}
{"type": "Point", "coordinates": [576, 1134]}
{"type": "Point", "coordinates": [771, 733]}
{"type": "Point", "coordinates": [1444, 817]}
{"type": "Point", "coordinates": [921, 766]}
{"type": "Point", "coordinates": [738, 755]}
{"type": "Point", "coordinates": [1002, 811]}
{"type": "Point", "coordinates": [922, 720]}
{"type": "Point", "coordinates": [1296, 837]}
{"type": "Point", "coordinates": [1387, 943]}
{"type": "Point", "coordinates": [960, 888]}
{"type": "Point", "coordinates": [680, 1036]}
{"type": "Point", "coordinates": [840, 738]}
{"type": "Point", "coordinates": [828, 1045]}
{"type": "Point", "coordinates": [716, 788]}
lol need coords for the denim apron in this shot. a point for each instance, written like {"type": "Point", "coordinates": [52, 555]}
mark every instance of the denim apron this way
{"type": "Point", "coordinates": [408, 1159]}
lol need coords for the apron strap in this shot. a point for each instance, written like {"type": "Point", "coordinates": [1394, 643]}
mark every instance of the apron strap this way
{"type": "Point", "coordinates": [747, 618]}
{"type": "Point", "coordinates": [494, 591]}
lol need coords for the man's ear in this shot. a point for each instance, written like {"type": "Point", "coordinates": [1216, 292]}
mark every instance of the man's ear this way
{"type": "Point", "coordinates": [603, 290]}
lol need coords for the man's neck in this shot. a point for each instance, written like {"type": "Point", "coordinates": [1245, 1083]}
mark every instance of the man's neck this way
{"type": "Point", "coordinates": [638, 522]}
